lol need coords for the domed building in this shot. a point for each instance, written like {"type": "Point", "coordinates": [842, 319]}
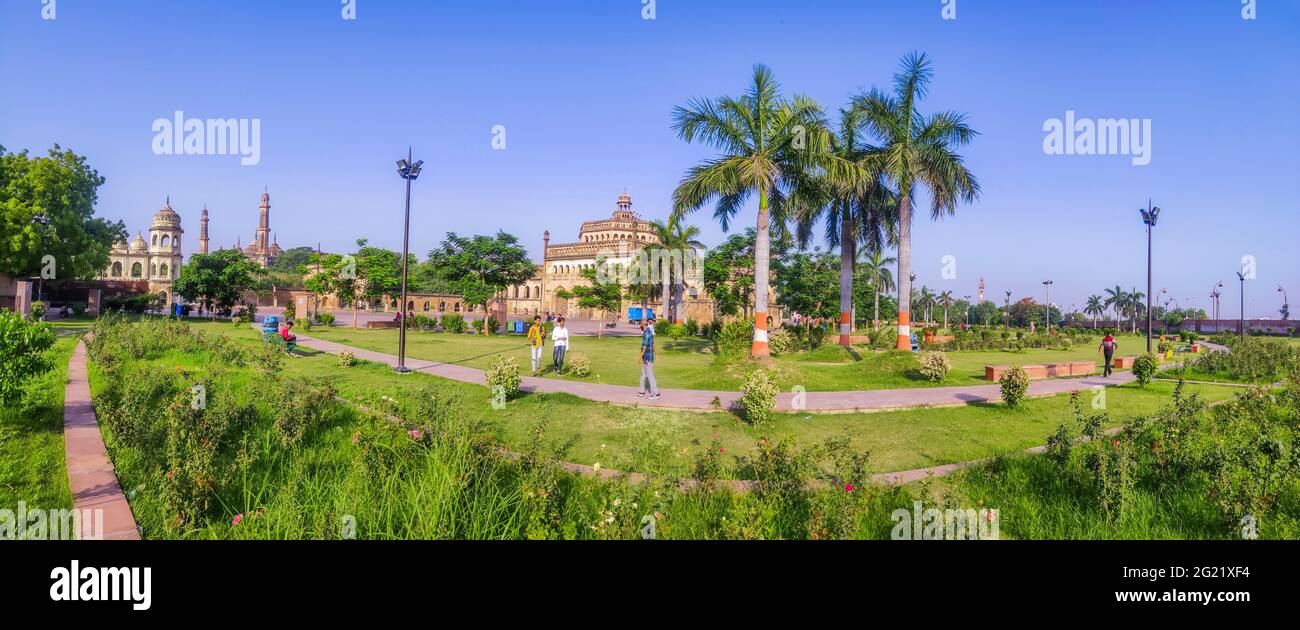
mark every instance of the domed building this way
{"type": "Point", "coordinates": [263, 250]}
{"type": "Point", "coordinates": [156, 260]}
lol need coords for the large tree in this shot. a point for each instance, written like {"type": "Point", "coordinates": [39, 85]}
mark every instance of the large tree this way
{"type": "Point", "coordinates": [917, 151]}
{"type": "Point", "coordinates": [217, 281]}
{"type": "Point", "coordinates": [767, 144]}
{"type": "Point", "coordinates": [876, 267]}
{"type": "Point", "coordinates": [47, 207]}
{"type": "Point", "coordinates": [810, 284]}
{"type": "Point", "coordinates": [1095, 307]}
{"type": "Point", "coordinates": [675, 251]}
{"type": "Point", "coordinates": [482, 266]}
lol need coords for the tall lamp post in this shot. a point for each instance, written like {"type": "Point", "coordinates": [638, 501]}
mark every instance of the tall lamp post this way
{"type": "Point", "coordinates": [409, 171]}
{"type": "Point", "coordinates": [1241, 319]}
{"type": "Point", "coordinates": [1149, 216]}
{"type": "Point", "coordinates": [1006, 315]}
{"type": "Point", "coordinates": [1286, 306]}
{"type": "Point", "coordinates": [1048, 284]}
{"type": "Point", "coordinates": [968, 311]}
{"type": "Point", "coordinates": [1214, 303]}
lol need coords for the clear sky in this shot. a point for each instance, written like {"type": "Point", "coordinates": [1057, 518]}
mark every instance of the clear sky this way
{"type": "Point", "coordinates": [585, 91]}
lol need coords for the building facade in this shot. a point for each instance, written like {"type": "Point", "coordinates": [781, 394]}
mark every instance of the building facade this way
{"type": "Point", "coordinates": [156, 260]}
{"type": "Point", "coordinates": [263, 250]}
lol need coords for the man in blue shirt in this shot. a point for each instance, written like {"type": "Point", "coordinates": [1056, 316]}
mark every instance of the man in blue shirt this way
{"type": "Point", "coordinates": [648, 360]}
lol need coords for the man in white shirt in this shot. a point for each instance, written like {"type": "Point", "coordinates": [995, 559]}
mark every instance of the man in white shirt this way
{"type": "Point", "coordinates": [560, 343]}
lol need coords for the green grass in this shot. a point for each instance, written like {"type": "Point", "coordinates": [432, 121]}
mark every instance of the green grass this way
{"type": "Point", "coordinates": [33, 466]}
{"type": "Point", "coordinates": [690, 364]}
{"type": "Point", "coordinates": [637, 438]}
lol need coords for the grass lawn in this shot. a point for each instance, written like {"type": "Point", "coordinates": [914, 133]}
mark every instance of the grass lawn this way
{"type": "Point", "coordinates": [33, 468]}
{"type": "Point", "coordinates": [638, 438]}
{"type": "Point", "coordinates": [689, 363]}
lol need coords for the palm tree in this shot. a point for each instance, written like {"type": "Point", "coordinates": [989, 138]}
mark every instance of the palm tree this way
{"type": "Point", "coordinates": [877, 267]}
{"type": "Point", "coordinates": [1094, 307]}
{"type": "Point", "coordinates": [926, 301]}
{"type": "Point", "coordinates": [917, 151]}
{"type": "Point", "coordinates": [855, 207]}
{"type": "Point", "coordinates": [946, 301]}
{"type": "Point", "coordinates": [767, 144]}
{"type": "Point", "coordinates": [1135, 307]}
{"type": "Point", "coordinates": [1116, 299]}
{"type": "Point", "coordinates": [675, 239]}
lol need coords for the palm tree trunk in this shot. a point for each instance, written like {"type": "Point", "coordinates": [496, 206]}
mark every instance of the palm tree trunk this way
{"type": "Point", "coordinates": [762, 254]}
{"type": "Point", "coordinates": [846, 282]}
{"type": "Point", "coordinates": [666, 277]}
{"type": "Point", "coordinates": [904, 274]}
{"type": "Point", "coordinates": [875, 317]}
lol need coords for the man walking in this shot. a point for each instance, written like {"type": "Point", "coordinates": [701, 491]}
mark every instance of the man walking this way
{"type": "Point", "coordinates": [535, 340]}
{"type": "Point", "coordinates": [1107, 347]}
{"type": "Point", "coordinates": [648, 360]}
{"type": "Point", "coordinates": [559, 344]}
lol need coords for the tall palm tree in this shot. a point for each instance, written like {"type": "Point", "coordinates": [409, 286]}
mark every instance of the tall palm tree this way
{"type": "Point", "coordinates": [767, 143]}
{"type": "Point", "coordinates": [675, 240]}
{"type": "Point", "coordinates": [1116, 299]}
{"type": "Point", "coordinates": [854, 204]}
{"type": "Point", "coordinates": [1136, 307]}
{"type": "Point", "coordinates": [877, 267]}
{"type": "Point", "coordinates": [1094, 307]}
{"type": "Point", "coordinates": [946, 301]}
{"type": "Point", "coordinates": [917, 151]}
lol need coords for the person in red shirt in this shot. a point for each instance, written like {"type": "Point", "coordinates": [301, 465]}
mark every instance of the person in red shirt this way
{"type": "Point", "coordinates": [1107, 348]}
{"type": "Point", "coordinates": [284, 332]}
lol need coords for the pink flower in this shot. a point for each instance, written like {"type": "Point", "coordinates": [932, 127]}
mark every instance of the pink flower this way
{"type": "Point", "coordinates": [848, 487]}
{"type": "Point", "coordinates": [237, 519]}
{"type": "Point", "coordinates": [415, 434]}
{"type": "Point", "coordinates": [356, 439]}
{"type": "Point", "coordinates": [722, 450]}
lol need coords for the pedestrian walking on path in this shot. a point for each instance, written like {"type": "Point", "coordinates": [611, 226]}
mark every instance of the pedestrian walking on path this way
{"type": "Point", "coordinates": [1107, 348]}
{"type": "Point", "coordinates": [536, 339]}
{"type": "Point", "coordinates": [559, 344]}
{"type": "Point", "coordinates": [647, 385]}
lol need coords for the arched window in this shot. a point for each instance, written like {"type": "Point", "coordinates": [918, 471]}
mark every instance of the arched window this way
{"type": "Point", "coordinates": [516, 292]}
{"type": "Point", "coordinates": [165, 240]}
{"type": "Point", "coordinates": [163, 271]}
{"type": "Point", "coordinates": [117, 270]}
{"type": "Point", "coordinates": [537, 291]}
{"type": "Point", "coordinates": [457, 307]}
{"type": "Point", "coordinates": [153, 270]}
{"type": "Point", "coordinates": [442, 306]}
{"type": "Point", "coordinates": [527, 292]}
{"type": "Point", "coordinates": [155, 239]}
{"type": "Point", "coordinates": [426, 306]}
{"type": "Point", "coordinates": [136, 270]}
{"type": "Point", "coordinates": [410, 306]}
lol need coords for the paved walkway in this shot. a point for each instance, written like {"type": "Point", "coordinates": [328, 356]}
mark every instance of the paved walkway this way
{"type": "Point", "coordinates": [702, 400]}
{"type": "Point", "coordinates": [90, 472]}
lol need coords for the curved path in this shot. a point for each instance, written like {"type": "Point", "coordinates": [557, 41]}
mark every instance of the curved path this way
{"type": "Point", "coordinates": [702, 400]}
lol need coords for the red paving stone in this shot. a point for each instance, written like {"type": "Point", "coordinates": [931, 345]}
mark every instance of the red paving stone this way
{"type": "Point", "coordinates": [90, 472]}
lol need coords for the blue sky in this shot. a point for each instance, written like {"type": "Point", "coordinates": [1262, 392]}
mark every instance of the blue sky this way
{"type": "Point", "coordinates": [585, 90]}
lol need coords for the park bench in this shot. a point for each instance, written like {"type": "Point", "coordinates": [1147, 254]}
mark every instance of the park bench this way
{"type": "Point", "coordinates": [1044, 370]}
{"type": "Point", "coordinates": [1123, 363]}
{"type": "Point", "coordinates": [385, 324]}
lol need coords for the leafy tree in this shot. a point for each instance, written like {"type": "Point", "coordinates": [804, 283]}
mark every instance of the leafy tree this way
{"type": "Point", "coordinates": [985, 313]}
{"type": "Point", "coordinates": [1116, 299]}
{"type": "Point", "coordinates": [674, 238]}
{"type": "Point", "coordinates": [335, 274]}
{"type": "Point", "coordinates": [22, 352]}
{"type": "Point", "coordinates": [875, 266]}
{"type": "Point", "coordinates": [482, 266]}
{"type": "Point", "coordinates": [217, 281]}
{"type": "Point", "coordinates": [606, 296]}
{"type": "Point", "coordinates": [917, 150]}
{"type": "Point", "coordinates": [47, 207]}
{"type": "Point", "coordinates": [1095, 307]}
{"type": "Point", "coordinates": [810, 283]}
{"type": "Point", "coordinates": [766, 144]}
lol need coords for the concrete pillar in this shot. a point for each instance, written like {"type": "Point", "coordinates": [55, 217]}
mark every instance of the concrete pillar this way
{"type": "Point", "coordinates": [93, 297]}
{"type": "Point", "coordinates": [23, 297]}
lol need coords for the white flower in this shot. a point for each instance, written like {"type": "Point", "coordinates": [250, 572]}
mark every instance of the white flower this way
{"type": "Point", "coordinates": [618, 502]}
{"type": "Point", "coordinates": [595, 467]}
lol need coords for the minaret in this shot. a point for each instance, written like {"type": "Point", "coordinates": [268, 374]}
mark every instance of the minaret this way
{"type": "Point", "coordinates": [264, 223]}
{"type": "Point", "coordinates": [981, 291]}
{"type": "Point", "coordinates": [203, 230]}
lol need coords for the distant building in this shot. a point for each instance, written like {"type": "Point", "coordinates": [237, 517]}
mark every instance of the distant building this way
{"type": "Point", "coordinates": [264, 250]}
{"type": "Point", "coordinates": [156, 261]}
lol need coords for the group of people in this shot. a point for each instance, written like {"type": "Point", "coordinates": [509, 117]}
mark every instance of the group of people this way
{"type": "Point", "coordinates": [647, 388]}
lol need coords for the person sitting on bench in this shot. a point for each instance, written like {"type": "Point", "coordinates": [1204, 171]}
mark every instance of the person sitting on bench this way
{"type": "Point", "coordinates": [289, 338]}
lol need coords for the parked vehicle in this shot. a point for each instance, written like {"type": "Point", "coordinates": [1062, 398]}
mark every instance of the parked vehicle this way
{"type": "Point", "coordinates": [635, 314]}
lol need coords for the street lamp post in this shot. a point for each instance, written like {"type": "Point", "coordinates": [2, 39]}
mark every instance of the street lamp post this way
{"type": "Point", "coordinates": [1286, 306]}
{"type": "Point", "coordinates": [409, 171]}
{"type": "Point", "coordinates": [1006, 315]}
{"type": "Point", "coordinates": [1241, 318]}
{"type": "Point", "coordinates": [968, 311]}
{"type": "Point", "coordinates": [1214, 303]}
{"type": "Point", "coordinates": [1149, 216]}
{"type": "Point", "coordinates": [1048, 284]}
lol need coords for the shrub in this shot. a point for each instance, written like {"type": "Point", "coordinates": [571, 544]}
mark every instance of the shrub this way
{"type": "Point", "coordinates": [780, 341]}
{"type": "Point", "coordinates": [757, 397]}
{"type": "Point", "coordinates": [661, 326]}
{"type": "Point", "coordinates": [22, 352]}
{"type": "Point", "coordinates": [1165, 346]}
{"type": "Point", "coordinates": [578, 365]}
{"type": "Point", "coordinates": [692, 327]}
{"type": "Point", "coordinates": [676, 331]}
{"type": "Point", "coordinates": [453, 323]}
{"type": "Point", "coordinates": [503, 373]}
{"type": "Point", "coordinates": [38, 309]}
{"type": "Point", "coordinates": [298, 409]}
{"type": "Point", "coordinates": [1144, 367]}
{"type": "Point", "coordinates": [325, 319]}
{"type": "Point", "coordinates": [735, 338]}
{"type": "Point", "coordinates": [346, 359]}
{"type": "Point", "coordinates": [934, 366]}
{"type": "Point", "coordinates": [290, 311]}
{"type": "Point", "coordinates": [78, 309]}
{"type": "Point", "coordinates": [547, 328]}
{"type": "Point", "coordinates": [1015, 385]}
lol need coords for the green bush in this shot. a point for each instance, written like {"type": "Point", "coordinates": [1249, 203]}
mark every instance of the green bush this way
{"type": "Point", "coordinates": [1253, 359]}
{"type": "Point", "coordinates": [934, 366]}
{"type": "Point", "coordinates": [346, 359]}
{"type": "Point", "coordinates": [22, 352]}
{"type": "Point", "coordinates": [453, 323]}
{"type": "Point", "coordinates": [692, 327]}
{"type": "Point", "coordinates": [757, 397]}
{"type": "Point", "coordinates": [1015, 385]}
{"type": "Point", "coordinates": [503, 376]}
{"type": "Point", "coordinates": [38, 309]}
{"type": "Point", "coordinates": [1144, 367]}
{"type": "Point", "coordinates": [780, 341]}
{"type": "Point", "coordinates": [78, 309]}
{"type": "Point", "coordinates": [676, 331]}
{"type": "Point", "coordinates": [578, 365]}
{"type": "Point", "coordinates": [662, 326]}
{"type": "Point", "coordinates": [735, 338]}
{"type": "Point", "coordinates": [325, 319]}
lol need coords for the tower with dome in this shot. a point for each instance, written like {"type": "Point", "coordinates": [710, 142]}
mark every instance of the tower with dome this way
{"type": "Point", "coordinates": [155, 260]}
